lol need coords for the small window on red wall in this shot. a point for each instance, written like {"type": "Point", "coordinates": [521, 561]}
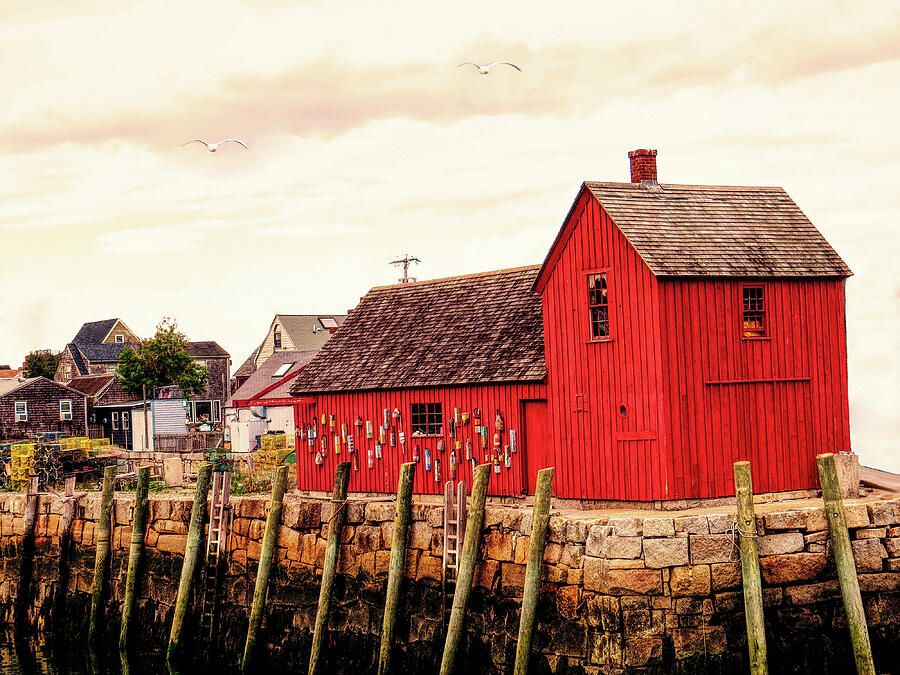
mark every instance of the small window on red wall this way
{"type": "Point", "coordinates": [754, 311]}
{"type": "Point", "coordinates": [598, 305]}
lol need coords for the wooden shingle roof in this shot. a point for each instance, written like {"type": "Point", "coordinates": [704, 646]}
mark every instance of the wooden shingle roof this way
{"type": "Point", "coordinates": [699, 230]}
{"type": "Point", "coordinates": [475, 329]}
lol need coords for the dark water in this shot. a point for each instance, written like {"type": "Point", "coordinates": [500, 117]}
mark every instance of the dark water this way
{"type": "Point", "coordinates": [37, 655]}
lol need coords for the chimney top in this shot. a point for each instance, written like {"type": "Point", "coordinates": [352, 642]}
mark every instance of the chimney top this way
{"type": "Point", "coordinates": [643, 165]}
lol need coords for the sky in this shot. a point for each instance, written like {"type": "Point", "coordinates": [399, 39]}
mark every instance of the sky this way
{"type": "Point", "coordinates": [366, 142]}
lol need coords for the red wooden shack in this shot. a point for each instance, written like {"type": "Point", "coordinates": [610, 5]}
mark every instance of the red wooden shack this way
{"type": "Point", "coordinates": [688, 327]}
{"type": "Point", "coordinates": [683, 328]}
{"type": "Point", "coordinates": [423, 358]}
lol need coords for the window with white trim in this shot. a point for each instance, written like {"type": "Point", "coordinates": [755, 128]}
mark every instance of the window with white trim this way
{"type": "Point", "coordinates": [115, 421]}
{"type": "Point", "coordinates": [598, 306]}
{"type": "Point", "coordinates": [427, 419]}
{"type": "Point", "coordinates": [204, 411]}
{"type": "Point", "coordinates": [21, 411]}
{"type": "Point", "coordinates": [65, 409]}
{"type": "Point", "coordinates": [126, 420]}
{"type": "Point", "coordinates": [119, 338]}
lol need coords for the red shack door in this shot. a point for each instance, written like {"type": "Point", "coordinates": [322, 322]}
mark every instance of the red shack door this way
{"type": "Point", "coordinates": [536, 446]}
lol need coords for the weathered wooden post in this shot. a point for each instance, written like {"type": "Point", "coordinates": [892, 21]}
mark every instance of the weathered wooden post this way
{"type": "Point", "coordinates": [466, 571]}
{"type": "Point", "coordinates": [846, 564]}
{"type": "Point", "coordinates": [402, 519]}
{"type": "Point", "coordinates": [273, 522]}
{"type": "Point", "coordinates": [26, 561]}
{"type": "Point", "coordinates": [191, 557]}
{"type": "Point", "coordinates": [138, 526]}
{"type": "Point", "coordinates": [338, 514]}
{"type": "Point", "coordinates": [536, 545]}
{"type": "Point", "coordinates": [66, 520]}
{"type": "Point", "coordinates": [753, 598]}
{"type": "Point", "coordinates": [101, 561]}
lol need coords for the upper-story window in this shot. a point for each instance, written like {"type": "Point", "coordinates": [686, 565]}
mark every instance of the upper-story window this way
{"type": "Point", "coordinates": [598, 305]}
{"type": "Point", "coordinates": [427, 419]}
{"type": "Point", "coordinates": [120, 338]}
{"type": "Point", "coordinates": [21, 411]}
{"type": "Point", "coordinates": [67, 372]}
{"type": "Point", "coordinates": [65, 409]}
{"type": "Point", "coordinates": [276, 338]}
{"type": "Point", "coordinates": [754, 311]}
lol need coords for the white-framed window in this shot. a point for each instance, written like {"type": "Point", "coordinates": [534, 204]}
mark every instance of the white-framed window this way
{"type": "Point", "coordinates": [126, 420]}
{"type": "Point", "coordinates": [67, 372]}
{"type": "Point", "coordinates": [119, 338]}
{"type": "Point", "coordinates": [65, 409]}
{"type": "Point", "coordinates": [21, 411]}
{"type": "Point", "coordinates": [115, 421]}
{"type": "Point", "coordinates": [204, 411]}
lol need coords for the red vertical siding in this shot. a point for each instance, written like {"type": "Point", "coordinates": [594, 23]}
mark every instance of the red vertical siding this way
{"type": "Point", "coordinates": [601, 453]}
{"type": "Point", "coordinates": [777, 401]}
{"type": "Point", "coordinates": [383, 476]}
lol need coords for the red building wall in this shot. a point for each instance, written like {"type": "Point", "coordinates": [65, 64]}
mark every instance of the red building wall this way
{"type": "Point", "coordinates": [664, 408]}
{"type": "Point", "coordinates": [604, 396]}
{"type": "Point", "coordinates": [383, 477]}
{"type": "Point", "coordinates": [776, 402]}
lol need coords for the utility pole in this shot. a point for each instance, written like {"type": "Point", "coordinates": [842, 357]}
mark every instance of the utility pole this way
{"type": "Point", "coordinates": [405, 261]}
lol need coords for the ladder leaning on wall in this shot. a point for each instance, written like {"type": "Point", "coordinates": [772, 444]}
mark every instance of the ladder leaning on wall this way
{"type": "Point", "coordinates": [216, 547]}
{"type": "Point", "coordinates": [454, 534]}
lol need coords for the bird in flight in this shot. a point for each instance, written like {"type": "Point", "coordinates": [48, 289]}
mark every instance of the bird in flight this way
{"type": "Point", "coordinates": [212, 147]}
{"type": "Point", "coordinates": [485, 69]}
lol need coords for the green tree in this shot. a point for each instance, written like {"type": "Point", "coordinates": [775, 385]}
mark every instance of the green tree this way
{"type": "Point", "coordinates": [41, 363]}
{"type": "Point", "coordinates": [161, 361]}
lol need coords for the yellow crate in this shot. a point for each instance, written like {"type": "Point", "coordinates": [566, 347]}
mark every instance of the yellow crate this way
{"type": "Point", "coordinates": [99, 442]}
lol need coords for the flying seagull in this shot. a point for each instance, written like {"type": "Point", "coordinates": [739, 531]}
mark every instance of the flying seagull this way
{"type": "Point", "coordinates": [485, 69]}
{"type": "Point", "coordinates": [212, 147]}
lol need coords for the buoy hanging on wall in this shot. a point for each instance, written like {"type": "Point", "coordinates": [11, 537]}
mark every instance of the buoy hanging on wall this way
{"type": "Point", "coordinates": [437, 471]}
{"type": "Point", "coordinates": [498, 423]}
{"type": "Point", "coordinates": [512, 440]}
{"type": "Point", "coordinates": [507, 457]}
{"type": "Point", "coordinates": [415, 453]}
{"type": "Point", "coordinates": [371, 458]}
{"type": "Point", "coordinates": [378, 451]}
{"type": "Point", "coordinates": [319, 459]}
{"type": "Point", "coordinates": [402, 436]}
{"type": "Point", "coordinates": [351, 448]}
{"type": "Point", "coordinates": [369, 433]}
{"type": "Point", "coordinates": [427, 459]}
{"type": "Point", "coordinates": [387, 418]}
{"type": "Point", "coordinates": [468, 449]}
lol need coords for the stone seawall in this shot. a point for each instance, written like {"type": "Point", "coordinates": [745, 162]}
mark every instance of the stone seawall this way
{"type": "Point", "coordinates": [626, 592]}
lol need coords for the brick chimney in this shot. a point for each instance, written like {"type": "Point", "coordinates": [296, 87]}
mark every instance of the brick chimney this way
{"type": "Point", "coordinates": [643, 165]}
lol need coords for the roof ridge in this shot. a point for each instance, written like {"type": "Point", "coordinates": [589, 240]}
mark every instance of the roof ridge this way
{"type": "Point", "coordinates": [687, 185]}
{"type": "Point", "coordinates": [412, 284]}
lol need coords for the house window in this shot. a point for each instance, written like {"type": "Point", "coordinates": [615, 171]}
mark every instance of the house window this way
{"type": "Point", "coordinates": [65, 410]}
{"type": "Point", "coordinates": [120, 338]}
{"type": "Point", "coordinates": [126, 421]}
{"type": "Point", "coordinates": [598, 306]}
{"type": "Point", "coordinates": [67, 372]}
{"type": "Point", "coordinates": [201, 362]}
{"type": "Point", "coordinates": [754, 314]}
{"type": "Point", "coordinates": [111, 367]}
{"type": "Point", "coordinates": [21, 411]}
{"type": "Point", "coordinates": [426, 419]}
{"type": "Point", "coordinates": [276, 338]}
{"type": "Point", "coordinates": [205, 411]}
{"type": "Point", "coordinates": [282, 370]}
{"type": "Point", "coordinates": [115, 421]}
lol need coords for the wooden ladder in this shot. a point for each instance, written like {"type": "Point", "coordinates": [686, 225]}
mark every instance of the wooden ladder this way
{"type": "Point", "coordinates": [454, 534]}
{"type": "Point", "coordinates": [216, 548]}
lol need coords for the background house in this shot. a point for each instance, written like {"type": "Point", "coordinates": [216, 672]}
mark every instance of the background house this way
{"type": "Point", "coordinates": [109, 408]}
{"type": "Point", "coordinates": [263, 404]}
{"type": "Point", "coordinates": [209, 405]}
{"type": "Point", "coordinates": [36, 405]}
{"type": "Point", "coordinates": [95, 349]}
{"type": "Point", "coordinates": [290, 332]}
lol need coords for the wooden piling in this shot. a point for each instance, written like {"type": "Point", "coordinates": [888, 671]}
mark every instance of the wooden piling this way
{"type": "Point", "coordinates": [745, 527]}
{"type": "Point", "coordinates": [267, 551]}
{"type": "Point", "coordinates": [191, 557]}
{"type": "Point", "coordinates": [138, 527]}
{"type": "Point", "coordinates": [846, 564]}
{"type": "Point", "coordinates": [66, 520]}
{"type": "Point", "coordinates": [466, 570]}
{"type": "Point", "coordinates": [338, 514]}
{"type": "Point", "coordinates": [402, 520]}
{"type": "Point", "coordinates": [26, 559]}
{"type": "Point", "coordinates": [101, 560]}
{"type": "Point", "coordinates": [536, 545]}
